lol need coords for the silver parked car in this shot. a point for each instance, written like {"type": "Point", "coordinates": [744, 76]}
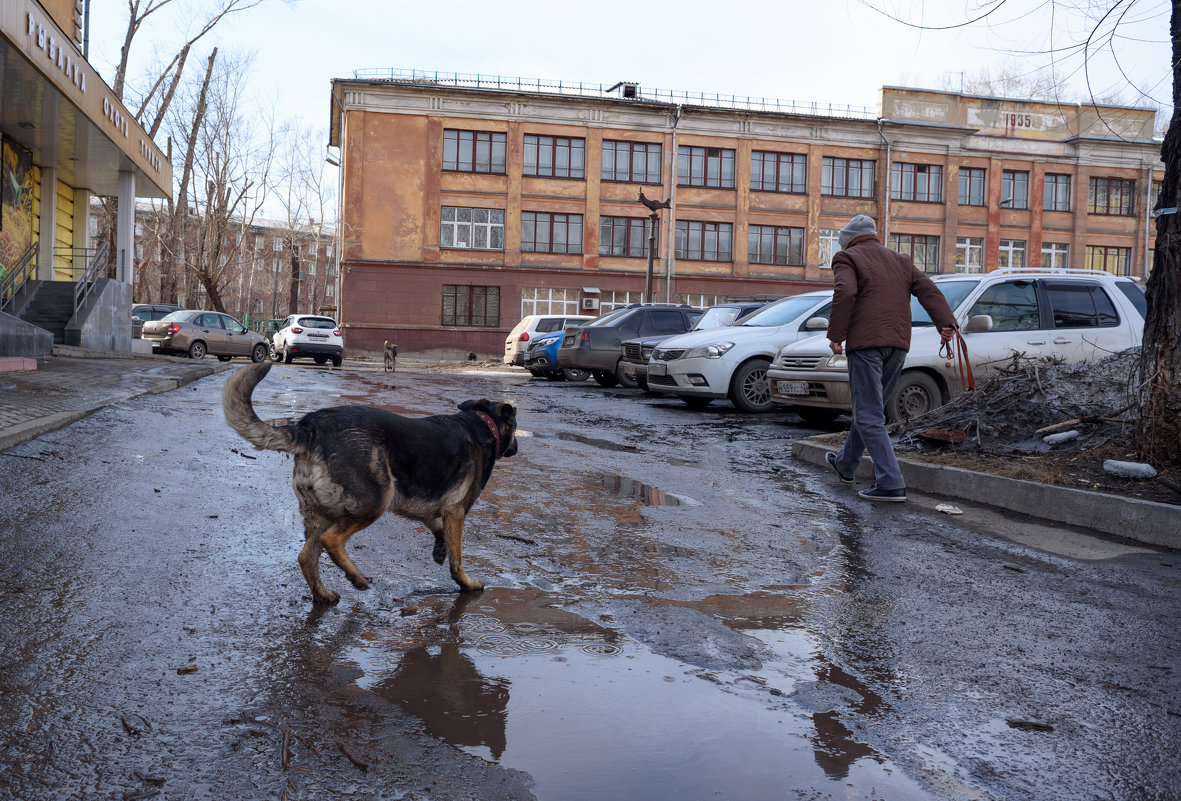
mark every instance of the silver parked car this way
{"type": "Point", "coordinates": [196, 332]}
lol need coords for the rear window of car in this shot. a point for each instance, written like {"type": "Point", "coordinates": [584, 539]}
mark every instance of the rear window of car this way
{"type": "Point", "coordinates": [611, 318]}
{"type": "Point", "coordinates": [178, 316]}
{"type": "Point", "coordinates": [1134, 293]}
{"type": "Point", "coordinates": [547, 324]}
{"type": "Point", "coordinates": [316, 322]}
{"type": "Point", "coordinates": [1081, 306]}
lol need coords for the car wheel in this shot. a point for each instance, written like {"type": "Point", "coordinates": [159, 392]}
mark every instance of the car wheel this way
{"type": "Point", "coordinates": [258, 353]}
{"type": "Point", "coordinates": [320, 359]}
{"type": "Point", "coordinates": [533, 371]}
{"type": "Point", "coordinates": [750, 390]}
{"type": "Point", "coordinates": [287, 356]}
{"type": "Point", "coordinates": [695, 402]}
{"type": "Point", "coordinates": [814, 416]}
{"type": "Point", "coordinates": [197, 350]}
{"type": "Point", "coordinates": [603, 378]}
{"type": "Point", "coordinates": [916, 393]}
{"type": "Point", "coordinates": [337, 361]}
{"type": "Point", "coordinates": [625, 380]}
{"type": "Point", "coordinates": [574, 374]}
{"type": "Point", "coordinates": [224, 358]}
{"type": "Point", "coordinates": [275, 355]}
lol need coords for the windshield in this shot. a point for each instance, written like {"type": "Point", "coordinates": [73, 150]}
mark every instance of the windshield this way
{"type": "Point", "coordinates": [954, 291]}
{"type": "Point", "coordinates": [717, 317]}
{"type": "Point", "coordinates": [608, 318]}
{"type": "Point", "coordinates": [316, 322]}
{"type": "Point", "coordinates": [178, 316]}
{"type": "Point", "coordinates": [782, 312]}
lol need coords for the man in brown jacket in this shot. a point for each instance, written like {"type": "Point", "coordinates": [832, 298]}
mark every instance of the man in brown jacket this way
{"type": "Point", "coordinates": [871, 316]}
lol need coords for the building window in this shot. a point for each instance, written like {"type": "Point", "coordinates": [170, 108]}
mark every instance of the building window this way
{"type": "Point", "coordinates": [846, 177]}
{"type": "Point", "coordinates": [1111, 196]}
{"type": "Point", "coordinates": [548, 300]}
{"type": "Point", "coordinates": [773, 244]}
{"type": "Point", "coordinates": [705, 166]}
{"type": "Point", "coordinates": [471, 305]}
{"type": "Point", "coordinates": [544, 232]}
{"type": "Point", "coordinates": [635, 162]}
{"type": "Point", "coordinates": [1154, 195]}
{"type": "Point", "coordinates": [473, 151]}
{"type": "Point", "coordinates": [1056, 196]}
{"type": "Point", "coordinates": [971, 186]}
{"type": "Point", "coordinates": [613, 299]}
{"type": "Point", "coordinates": [256, 306]}
{"type": "Point", "coordinates": [555, 156]}
{"type": "Point", "coordinates": [969, 254]}
{"type": "Point", "coordinates": [830, 243]}
{"type": "Point", "coordinates": [924, 250]}
{"type": "Point", "coordinates": [1112, 259]}
{"type": "Point", "coordinates": [778, 172]}
{"type": "Point", "coordinates": [1014, 189]}
{"type": "Point", "coordinates": [1055, 256]}
{"type": "Point", "coordinates": [1012, 253]}
{"type": "Point", "coordinates": [477, 229]}
{"type": "Point", "coordinates": [699, 300]}
{"type": "Point", "coordinates": [259, 242]}
{"type": "Point", "coordinates": [277, 245]}
{"type": "Point", "coordinates": [704, 241]}
{"type": "Point", "coordinates": [330, 291]}
{"type": "Point", "coordinates": [626, 236]}
{"type": "Point", "coordinates": [918, 182]}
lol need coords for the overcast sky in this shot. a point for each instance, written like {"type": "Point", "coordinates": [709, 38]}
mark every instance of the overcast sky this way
{"type": "Point", "coordinates": [831, 51]}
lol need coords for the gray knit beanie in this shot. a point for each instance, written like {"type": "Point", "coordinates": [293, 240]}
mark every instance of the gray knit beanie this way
{"type": "Point", "coordinates": [860, 225]}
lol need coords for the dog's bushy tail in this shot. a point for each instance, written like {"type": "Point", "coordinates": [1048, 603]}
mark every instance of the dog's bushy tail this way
{"type": "Point", "coordinates": [235, 400]}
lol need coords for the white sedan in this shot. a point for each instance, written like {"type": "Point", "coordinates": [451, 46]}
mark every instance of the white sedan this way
{"type": "Point", "coordinates": [731, 362]}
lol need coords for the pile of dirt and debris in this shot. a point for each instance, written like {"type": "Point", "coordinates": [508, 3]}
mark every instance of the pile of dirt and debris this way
{"type": "Point", "coordinates": [1042, 420]}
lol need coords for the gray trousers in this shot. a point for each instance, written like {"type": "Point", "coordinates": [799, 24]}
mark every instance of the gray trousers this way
{"type": "Point", "coordinates": [873, 374]}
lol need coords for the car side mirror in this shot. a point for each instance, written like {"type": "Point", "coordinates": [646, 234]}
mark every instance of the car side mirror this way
{"type": "Point", "coordinates": [816, 324]}
{"type": "Point", "coordinates": [136, 321]}
{"type": "Point", "coordinates": [978, 323]}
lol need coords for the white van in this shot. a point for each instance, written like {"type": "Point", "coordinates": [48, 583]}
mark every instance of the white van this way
{"type": "Point", "coordinates": [530, 326]}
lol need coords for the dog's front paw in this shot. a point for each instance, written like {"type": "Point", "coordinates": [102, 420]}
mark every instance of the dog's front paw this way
{"type": "Point", "coordinates": [360, 582]}
{"type": "Point", "coordinates": [439, 554]}
{"type": "Point", "coordinates": [327, 597]}
{"type": "Point", "coordinates": [471, 585]}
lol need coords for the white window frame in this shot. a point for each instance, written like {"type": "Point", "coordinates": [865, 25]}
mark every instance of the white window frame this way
{"type": "Point", "coordinates": [1011, 253]}
{"type": "Point", "coordinates": [1058, 254]}
{"type": "Point", "coordinates": [701, 301]}
{"type": "Point", "coordinates": [830, 244]}
{"type": "Point", "coordinates": [549, 300]}
{"type": "Point", "coordinates": [967, 247]}
{"type": "Point", "coordinates": [616, 299]}
{"type": "Point", "coordinates": [468, 228]}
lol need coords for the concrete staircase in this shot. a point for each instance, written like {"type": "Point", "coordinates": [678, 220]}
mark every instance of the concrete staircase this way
{"type": "Point", "coordinates": [51, 308]}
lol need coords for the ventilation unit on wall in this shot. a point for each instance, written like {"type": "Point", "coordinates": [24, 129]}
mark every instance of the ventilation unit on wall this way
{"type": "Point", "coordinates": [590, 304]}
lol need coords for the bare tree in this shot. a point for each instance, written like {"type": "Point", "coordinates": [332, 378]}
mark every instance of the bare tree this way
{"type": "Point", "coordinates": [1158, 427]}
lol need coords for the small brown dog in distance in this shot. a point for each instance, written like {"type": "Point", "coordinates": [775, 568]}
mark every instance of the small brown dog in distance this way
{"type": "Point", "coordinates": [391, 356]}
{"type": "Point", "coordinates": [354, 463]}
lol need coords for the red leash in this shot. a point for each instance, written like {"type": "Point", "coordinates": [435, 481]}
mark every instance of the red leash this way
{"type": "Point", "coordinates": [949, 351]}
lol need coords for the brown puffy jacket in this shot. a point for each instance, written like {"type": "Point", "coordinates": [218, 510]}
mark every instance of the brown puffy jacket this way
{"type": "Point", "coordinates": [871, 296]}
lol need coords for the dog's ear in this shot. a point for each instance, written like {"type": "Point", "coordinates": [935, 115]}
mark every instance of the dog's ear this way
{"type": "Point", "coordinates": [506, 412]}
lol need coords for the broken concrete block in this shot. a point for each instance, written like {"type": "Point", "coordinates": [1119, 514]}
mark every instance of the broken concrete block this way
{"type": "Point", "coordinates": [1129, 469]}
{"type": "Point", "coordinates": [1065, 436]}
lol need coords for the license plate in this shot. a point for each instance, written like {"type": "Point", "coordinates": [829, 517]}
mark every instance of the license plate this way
{"type": "Point", "coordinates": [318, 336]}
{"type": "Point", "coordinates": [792, 387]}
{"type": "Point", "coordinates": [656, 368]}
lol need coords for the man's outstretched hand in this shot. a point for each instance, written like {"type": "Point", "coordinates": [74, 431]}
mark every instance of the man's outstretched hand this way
{"type": "Point", "coordinates": [836, 348]}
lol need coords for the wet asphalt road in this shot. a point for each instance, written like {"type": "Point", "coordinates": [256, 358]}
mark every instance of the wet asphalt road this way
{"type": "Point", "coordinates": [676, 609]}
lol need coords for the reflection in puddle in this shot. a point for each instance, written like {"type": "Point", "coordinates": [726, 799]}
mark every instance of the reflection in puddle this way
{"type": "Point", "coordinates": [605, 444]}
{"type": "Point", "coordinates": [591, 714]}
{"type": "Point", "coordinates": [629, 488]}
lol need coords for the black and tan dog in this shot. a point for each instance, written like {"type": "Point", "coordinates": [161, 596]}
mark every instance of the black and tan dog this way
{"type": "Point", "coordinates": [354, 463]}
{"type": "Point", "coordinates": [391, 356]}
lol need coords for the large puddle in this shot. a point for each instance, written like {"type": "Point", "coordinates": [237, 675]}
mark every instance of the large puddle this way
{"type": "Point", "coordinates": [592, 714]}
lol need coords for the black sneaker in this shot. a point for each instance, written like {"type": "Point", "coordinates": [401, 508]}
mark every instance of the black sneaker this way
{"type": "Point", "coordinates": [831, 458]}
{"type": "Point", "coordinates": [875, 494]}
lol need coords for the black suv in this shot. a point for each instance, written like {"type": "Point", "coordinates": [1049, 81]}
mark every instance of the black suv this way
{"type": "Point", "coordinates": [595, 346]}
{"type": "Point", "coordinates": [636, 352]}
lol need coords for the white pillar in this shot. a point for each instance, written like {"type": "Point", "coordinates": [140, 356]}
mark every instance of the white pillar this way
{"type": "Point", "coordinates": [47, 232]}
{"type": "Point", "coordinates": [125, 230]}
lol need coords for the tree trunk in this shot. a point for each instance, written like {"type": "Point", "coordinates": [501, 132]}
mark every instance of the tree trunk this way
{"type": "Point", "coordinates": [1158, 429]}
{"type": "Point", "coordinates": [294, 308]}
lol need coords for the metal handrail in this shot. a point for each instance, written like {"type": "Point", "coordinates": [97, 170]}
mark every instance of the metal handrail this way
{"type": "Point", "coordinates": [12, 281]}
{"type": "Point", "coordinates": [601, 90]}
{"type": "Point", "coordinates": [82, 288]}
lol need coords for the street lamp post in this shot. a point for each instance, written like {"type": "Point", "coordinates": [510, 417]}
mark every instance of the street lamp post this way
{"type": "Point", "coordinates": [654, 206]}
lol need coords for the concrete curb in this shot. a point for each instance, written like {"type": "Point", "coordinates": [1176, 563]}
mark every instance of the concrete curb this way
{"type": "Point", "coordinates": [1130, 518]}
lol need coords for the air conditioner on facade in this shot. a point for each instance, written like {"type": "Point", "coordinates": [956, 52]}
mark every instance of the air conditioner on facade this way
{"type": "Point", "coordinates": [590, 304]}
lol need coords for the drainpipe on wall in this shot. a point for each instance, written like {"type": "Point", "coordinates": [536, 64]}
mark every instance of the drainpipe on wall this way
{"type": "Point", "coordinates": [671, 233]}
{"type": "Point", "coordinates": [1147, 215]}
{"type": "Point", "coordinates": [889, 173]}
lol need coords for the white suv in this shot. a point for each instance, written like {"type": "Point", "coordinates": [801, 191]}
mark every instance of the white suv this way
{"type": "Point", "coordinates": [530, 326]}
{"type": "Point", "coordinates": [1072, 315]}
{"type": "Point", "coordinates": [732, 361]}
{"type": "Point", "coordinates": [308, 336]}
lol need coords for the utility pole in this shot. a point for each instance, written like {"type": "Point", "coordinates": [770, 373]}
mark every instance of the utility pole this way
{"type": "Point", "coordinates": [654, 207]}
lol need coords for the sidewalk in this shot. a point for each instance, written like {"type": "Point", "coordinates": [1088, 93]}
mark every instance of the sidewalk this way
{"type": "Point", "coordinates": [75, 383]}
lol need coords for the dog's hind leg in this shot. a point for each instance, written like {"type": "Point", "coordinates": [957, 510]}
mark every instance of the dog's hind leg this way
{"type": "Point", "coordinates": [453, 543]}
{"type": "Point", "coordinates": [334, 540]}
{"type": "Point", "coordinates": [309, 562]}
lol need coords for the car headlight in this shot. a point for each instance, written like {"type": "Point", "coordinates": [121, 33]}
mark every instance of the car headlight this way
{"type": "Point", "coordinates": [542, 343]}
{"type": "Point", "coordinates": [713, 351]}
{"type": "Point", "coordinates": [838, 361]}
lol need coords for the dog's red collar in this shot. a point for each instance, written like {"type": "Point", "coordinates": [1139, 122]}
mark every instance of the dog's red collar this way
{"type": "Point", "coordinates": [488, 421]}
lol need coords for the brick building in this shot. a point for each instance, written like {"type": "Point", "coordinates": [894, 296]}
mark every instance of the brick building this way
{"type": "Point", "coordinates": [468, 202]}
